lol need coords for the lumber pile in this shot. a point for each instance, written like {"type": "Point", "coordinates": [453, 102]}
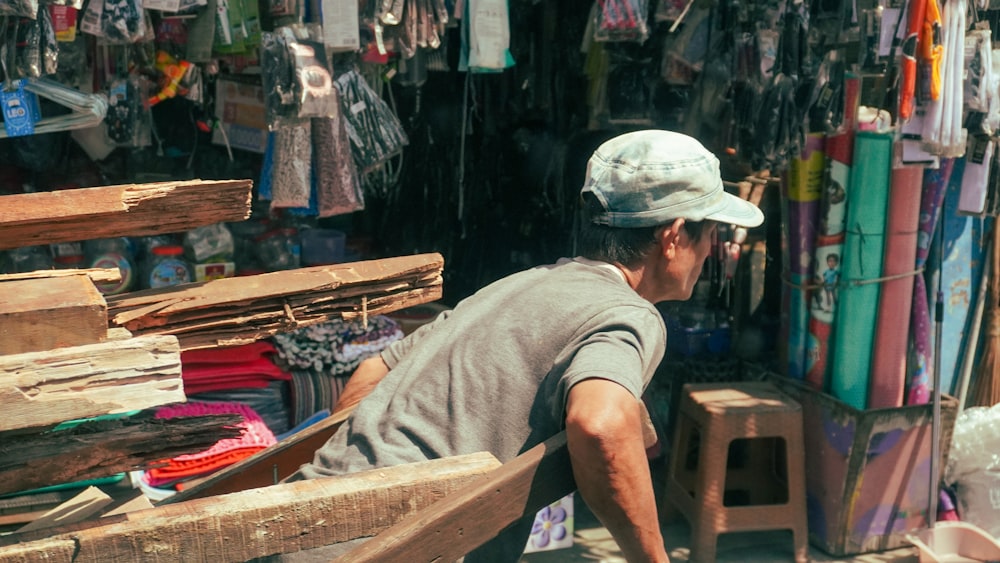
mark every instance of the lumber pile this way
{"type": "Point", "coordinates": [233, 311]}
{"type": "Point", "coordinates": [131, 209]}
{"type": "Point", "coordinates": [240, 526]}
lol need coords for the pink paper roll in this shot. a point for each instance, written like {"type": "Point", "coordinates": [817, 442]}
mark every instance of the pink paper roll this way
{"type": "Point", "coordinates": [888, 368]}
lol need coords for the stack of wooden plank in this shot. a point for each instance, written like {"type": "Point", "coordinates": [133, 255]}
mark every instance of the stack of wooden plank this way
{"type": "Point", "coordinates": [233, 311]}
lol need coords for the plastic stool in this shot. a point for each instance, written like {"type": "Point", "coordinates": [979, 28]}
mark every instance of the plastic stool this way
{"type": "Point", "coordinates": [738, 464]}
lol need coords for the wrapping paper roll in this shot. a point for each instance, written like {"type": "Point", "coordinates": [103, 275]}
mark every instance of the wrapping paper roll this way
{"type": "Point", "coordinates": [830, 240]}
{"type": "Point", "coordinates": [963, 256]}
{"type": "Point", "coordinates": [804, 188]}
{"type": "Point", "coordinates": [921, 351]}
{"type": "Point", "coordinates": [854, 329]}
{"type": "Point", "coordinates": [826, 274]}
{"type": "Point", "coordinates": [888, 369]}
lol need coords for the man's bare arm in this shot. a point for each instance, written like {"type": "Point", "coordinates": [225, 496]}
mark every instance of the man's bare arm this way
{"type": "Point", "coordinates": [367, 375]}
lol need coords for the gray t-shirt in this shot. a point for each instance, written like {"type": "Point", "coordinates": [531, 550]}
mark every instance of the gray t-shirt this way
{"type": "Point", "coordinates": [494, 373]}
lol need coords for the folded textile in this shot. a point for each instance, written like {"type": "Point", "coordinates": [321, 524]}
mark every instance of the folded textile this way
{"type": "Point", "coordinates": [255, 437]}
{"type": "Point", "coordinates": [230, 368]}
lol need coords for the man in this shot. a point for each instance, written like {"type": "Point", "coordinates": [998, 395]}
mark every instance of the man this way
{"type": "Point", "coordinates": [567, 346]}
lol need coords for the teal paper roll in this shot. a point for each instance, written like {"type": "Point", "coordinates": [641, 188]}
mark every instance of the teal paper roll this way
{"type": "Point", "coordinates": [857, 310]}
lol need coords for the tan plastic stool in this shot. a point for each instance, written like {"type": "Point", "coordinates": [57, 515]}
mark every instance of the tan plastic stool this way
{"type": "Point", "coordinates": [737, 464]}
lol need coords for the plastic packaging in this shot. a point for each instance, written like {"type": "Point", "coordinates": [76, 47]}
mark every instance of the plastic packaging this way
{"type": "Point", "coordinates": [112, 253]}
{"type": "Point", "coordinates": [211, 243]}
{"type": "Point", "coordinates": [279, 249]}
{"type": "Point", "coordinates": [165, 267]}
{"type": "Point", "coordinates": [973, 468]}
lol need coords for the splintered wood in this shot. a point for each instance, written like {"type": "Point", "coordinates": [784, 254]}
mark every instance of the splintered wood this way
{"type": "Point", "coordinates": [132, 209]}
{"type": "Point", "coordinates": [101, 447]}
{"type": "Point", "coordinates": [234, 311]}
{"type": "Point", "coordinates": [40, 389]}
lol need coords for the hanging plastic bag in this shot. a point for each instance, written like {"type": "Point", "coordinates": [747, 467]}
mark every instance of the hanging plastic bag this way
{"type": "Point", "coordinates": [978, 69]}
{"type": "Point", "coordinates": [292, 172]}
{"type": "Point", "coordinates": [374, 129]}
{"type": "Point", "coordinates": [621, 20]}
{"type": "Point", "coordinates": [338, 187]}
{"type": "Point", "coordinates": [278, 80]}
{"type": "Point", "coordinates": [313, 86]}
{"type": "Point", "coordinates": [19, 8]}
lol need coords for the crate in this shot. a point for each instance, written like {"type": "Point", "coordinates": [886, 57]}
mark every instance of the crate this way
{"type": "Point", "coordinates": [867, 471]}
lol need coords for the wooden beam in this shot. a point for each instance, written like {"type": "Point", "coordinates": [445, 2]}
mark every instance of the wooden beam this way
{"type": "Point", "coordinates": [267, 466]}
{"type": "Point", "coordinates": [38, 389]}
{"type": "Point", "coordinates": [46, 313]}
{"type": "Point", "coordinates": [279, 519]}
{"type": "Point", "coordinates": [447, 530]}
{"type": "Point", "coordinates": [104, 447]}
{"type": "Point", "coordinates": [110, 211]}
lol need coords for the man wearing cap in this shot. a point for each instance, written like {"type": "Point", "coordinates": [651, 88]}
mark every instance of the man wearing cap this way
{"type": "Point", "coordinates": [568, 346]}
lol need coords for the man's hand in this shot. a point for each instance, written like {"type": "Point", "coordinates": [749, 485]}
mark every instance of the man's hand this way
{"type": "Point", "coordinates": [604, 432]}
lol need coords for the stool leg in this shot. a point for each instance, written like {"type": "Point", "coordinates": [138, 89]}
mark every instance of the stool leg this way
{"type": "Point", "coordinates": [709, 509]}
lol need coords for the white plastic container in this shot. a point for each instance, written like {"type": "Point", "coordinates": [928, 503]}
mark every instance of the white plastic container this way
{"type": "Point", "coordinates": [955, 542]}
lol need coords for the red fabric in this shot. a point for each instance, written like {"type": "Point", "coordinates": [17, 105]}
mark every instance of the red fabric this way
{"type": "Point", "coordinates": [230, 368]}
{"type": "Point", "coordinates": [255, 437]}
{"type": "Point", "coordinates": [232, 354]}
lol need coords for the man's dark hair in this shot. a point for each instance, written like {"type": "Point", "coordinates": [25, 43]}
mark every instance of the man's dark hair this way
{"type": "Point", "coordinates": [626, 246]}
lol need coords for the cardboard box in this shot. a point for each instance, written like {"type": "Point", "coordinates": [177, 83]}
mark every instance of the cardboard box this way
{"type": "Point", "coordinates": [867, 472]}
{"type": "Point", "coordinates": [239, 106]}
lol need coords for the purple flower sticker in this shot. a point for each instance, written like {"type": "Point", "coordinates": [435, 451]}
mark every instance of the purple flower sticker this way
{"type": "Point", "coordinates": [549, 526]}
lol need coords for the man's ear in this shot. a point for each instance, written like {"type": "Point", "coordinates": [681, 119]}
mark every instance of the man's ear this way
{"type": "Point", "coordinates": [669, 237]}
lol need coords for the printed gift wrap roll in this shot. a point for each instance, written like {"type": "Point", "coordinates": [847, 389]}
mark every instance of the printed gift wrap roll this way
{"type": "Point", "coordinates": [804, 188]}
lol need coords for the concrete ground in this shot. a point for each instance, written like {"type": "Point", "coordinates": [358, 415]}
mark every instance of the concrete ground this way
{"type": "Point", "coordinates": [592, 542]}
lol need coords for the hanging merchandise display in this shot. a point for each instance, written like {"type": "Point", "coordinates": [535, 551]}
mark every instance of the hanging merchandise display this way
{"type": "Point", "coordinates": [854, 326]}
{"type": "Point", "coordinates": [28, 47]}
{"type": "Point", "coordinates": [403, 26]}
{"type": "Point", "coordinates": [297, 79]}
{"type": "Point", "coordinates": [621, 20]}
{"type": "Point", "coordinates": [375, 131]}
{"type": "Point", "coordinates": [485, 37]}
{"type": "Point", "coordinates": [338, 186]}
{"type": "Point", "coordinates": [916, 12]}
{"type": "Point", "coordinates": [943, 132]}
{"type": "Point", "coordinates": [19, 8]}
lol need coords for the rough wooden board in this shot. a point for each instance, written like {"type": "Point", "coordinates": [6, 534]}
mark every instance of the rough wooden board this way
{"type": "Point", "coordinates": [101, 448]}
{"type": "Point", "coordinates": [447, 530]}
{"type": "Point", "coordinates": [38, 389]}
{"type": "Point", "coordinates": [244, 290]}
{"type": "Point", "coordinates": [278, 519]}
{"type": "Point", "coordinates": [96, 275]}
{"type": "Point", "coordinates": [90, 501]}
{"type": "Point", "coordinates": [46, 313]}
{"type": "Point", "coordinates": [234, 311]}
{"type": "Point", "coordinates": [110, 211]}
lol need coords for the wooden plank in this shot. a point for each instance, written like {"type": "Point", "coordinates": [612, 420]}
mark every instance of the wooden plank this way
{"type": "Point", "coordinates": [38, 389]}
{"type": "Point", "coordinates": [232, 311]}
{"type": "Point", "coordinates": [267, 466]}
{"type": "Point", "coordinates": [96, 275]}
{"type": "Point", "coordinates": [89, 502]}
{"type": "Point", "coordinates": [279, 519]}
{"type": "Point", "coordinates": [124, 210]}
{"type": "Point", "coordinates": [46, 313]}
{"type": "Point", "coordinates": [478, 512]}
{"type": "Point", "coordinates": [104, 447]}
